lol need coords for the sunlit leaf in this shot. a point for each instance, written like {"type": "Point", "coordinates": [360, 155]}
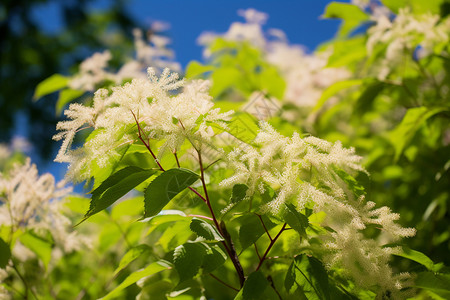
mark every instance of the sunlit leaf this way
{"type": "Point", "coordinates": [50, 85]}
{"type": "Point", "coordinates": [41, 247]}
{"type": "Point", "coordinates": [136, 276]}
{"type": "Point", "coordinates": [66, 96]}
{"type": "Point", "coordinates": [116, 186]}
{"type": "Point", "coordinates": [350, 14]}
{"type": "Point", "coordinates": [412, 121]}
{"type": "Point", "coordinates": [166, 186]}
{"type": "Point", "coordinates": [297, 221]}
{"type": "Point", "coordinates": [205, 230]}
{"type": "Point", "coordinates": [131, 255]}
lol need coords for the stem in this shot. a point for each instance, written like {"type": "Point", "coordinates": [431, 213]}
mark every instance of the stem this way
{"type": "Point", "coordinates": [200, 216]}
{"type": "Point", "coordinates": [147, 145]}
{"type": "Point", "coordinates": [176, 158]}
{"type": "Point", "coordinates": [124, 235]}
{"type": "Point", "coordinates": [222, 282]}
{"type": "Point", "coordinates": [257, 252]}
{"type": "Point", "coordinates": [264, 225]}
{"type": "Point", "coordinates": [272, 242]}
{"type": "Point", "coordinates": [27, 288]}
{"type": "Point", "coordinates": [231, 252]}
{"type": "Point", "coordinates": [272, 284]}
{"type": "Point", "coordinates": [229, 248]}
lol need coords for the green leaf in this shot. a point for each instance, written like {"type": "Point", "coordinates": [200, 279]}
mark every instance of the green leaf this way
{"type": "Point", "coordinates": [365, 101]}
{"type": "Point", "coordinates": [239, 192]}
{"type": "Point", "coordinates": [253, 288]}
{"type": "Point", "coordinates": [252, 229]}
{"type": "Point", "coordinates": [66, 96]}
{"type": "Point", "coordinates": [336, 88]}
{"type": "Point", "coordinates": [5, 253]}
{"type": "Point", "coordinates": [187, 259]}
{"type": "Point", "coordinates": [417, 6]}
{"type": "Point", "coordinates": [354, 185]}
{"type": "Point", "coordinates": [350, 14]}
{"type": "Point", "coordinates": [131, 255]}
{"type": "Point", "coordinates": [411, 123]}
{"type": "Point", "coordinates": [50, 85]}
{"type": "Point", "coordinates": [418, 257]}
{"type": "Point", "coordinates": [436, 283]}
{"type": "Point", "coordinates": [214, 258]}
{"type": "Point", "coordinates": [309, 276]}
{"type": "Point", "coordinates": [297, 221]}
{"type": "Point", "coordinates": [194, 69]}
{"type": "Point", "coordinates": [205, 230]}
{"type": "Point", "coordinates": [166, 186]}
{"type": "Point", "coordinates": [243, 126]}
{"type": "Point", "coordinates": [272, 82]}
{"type": "Point", "coordinates": [42, 248]}
{"type": "Point", "coordinates": [136, 276]}
{"type": "Point", "coordinates": [116, 186]}
{"type": "Point", "coordinates": [223, 79]}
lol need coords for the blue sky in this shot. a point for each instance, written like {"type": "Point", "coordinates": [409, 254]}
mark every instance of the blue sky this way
{"type": "Point", "coordinates": [189, 18]}
{"type": "Point", "coordinates": [300, 20]}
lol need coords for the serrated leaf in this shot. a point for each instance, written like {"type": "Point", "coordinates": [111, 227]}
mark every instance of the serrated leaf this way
{"type": "Point", "coordinates": [116, 186]}
{"type": "Point", "coordinates": [41, 247]}
{"type": "Point", "coordinates": [411, 123]}
{"type": "Point", "coordinates": [131, 255]}
{"type": "Point", "coordinates": [243, 126]}
{"type": "Point", "coordinates": [214, 258]}
{"type": "Point", "coordinates": [252, 229]}
{"type": "Point", "coordinates": [187, 259]}
{"type": "Point", "coordinates": [136, 276]}
{"type": "Point", "coordinates": [297, 221]}
{"type": "Point", "coordinates": [205, 230]}
{"type": "Point", "coordinates": [50, 85]}
{"type": "Point", "coordinates": [66, 96]}
{"type": "Point", "coordinates": [253, 288]}
{"type": "Point", "coordinates": [309, 275]}
{"type": "Point", "coordinates": [5, 253]}
{"type": "Point", "coordinates": [166, 186]}
{"type": "Point", "coordinates": [238, 193]}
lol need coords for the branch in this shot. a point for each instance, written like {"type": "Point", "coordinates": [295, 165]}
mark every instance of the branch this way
{"type": "Point", "coordinates": [272, 242]}
{"type": "Point", "coordinates": [230, 247]}
{"type": "Point", "coordinates": [222, 282]}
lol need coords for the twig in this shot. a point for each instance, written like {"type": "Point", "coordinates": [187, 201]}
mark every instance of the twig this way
{"type": "Point", "coordinates": [222, 282]}
{"type": "Point", "coordinates": [264, 225]}
{"type": "Point", "coordinates": [272, 242]}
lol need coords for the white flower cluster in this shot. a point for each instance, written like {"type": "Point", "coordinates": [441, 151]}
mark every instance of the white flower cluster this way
{"type": "Point", "coordinates": [406, 32]}
{"type": "Point", "coordinates": [150, 102]}
{"type": "Point", "coordinates": [306, 75]}
{"type": "Point", "coordinates": [32, 202]}
{"type": "Point", "coordinates": [308, 172]}
{"type": "Point", "coordinates": [149, 53]}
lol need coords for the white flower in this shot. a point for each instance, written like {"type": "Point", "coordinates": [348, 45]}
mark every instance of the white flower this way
{"type": "Point", "coordinates": [33, 202]}
{"type": "Point", "coordinates": [154, 103]}
{"type": "Point", "coordinates": [306, 173]}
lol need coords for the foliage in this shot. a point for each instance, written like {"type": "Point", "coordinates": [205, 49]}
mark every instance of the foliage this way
{"type": "Point", "coordinates": [192, 200]}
